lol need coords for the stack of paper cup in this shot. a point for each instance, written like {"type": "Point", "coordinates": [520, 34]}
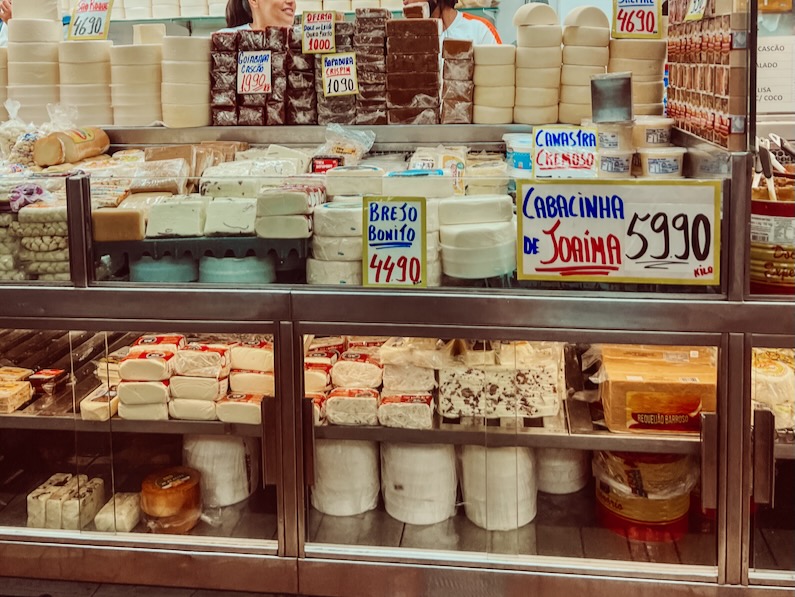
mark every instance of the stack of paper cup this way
{"type": "Point", "coordinates": [135, 84]}
{"type": "Point", "coordinates": [495, 84]}
{"type": "Point", "coordinates": [645, 59]}
{"type": "Point", "coordinates": [85, 80]}
{"type": "Point", "coordinates": [33, 65]}
{"type": "Point", "coordinates": [586, 40]}
{"type": "Point", "coordinates": [186, 81]}
{"type": "Point", "coordinates": [136, 10]}
{"type": "Point", "coordinates": [193, 8]}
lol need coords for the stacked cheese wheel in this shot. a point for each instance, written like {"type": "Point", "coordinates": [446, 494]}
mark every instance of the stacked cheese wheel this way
{"type": "Point", "coordinates": [645, 59]}
{"type": "Point", "coordinates": [538, 60]}
{"type": "Point", "coordinates": [186, 81]}
{"type": "Point", "coordinates": [337, 245]}
{"type": "Point", "coordinates": [191, 8]}
{"type": "Point", "coordinates": [33, 66]}
{"type": "Point", "coordinates": [149, 33]}
{"type": "Point", "coordinates": [3, 82]}
{"type": "Point", "coordinates": [586, 40]}
{"type": "Point", "coordinates": [135, 87]}
{"type": "Point", "coordinates": [117, 12]}
{"type": "Point", "coordinates": [85, 72]}
{"type": "Point", "coordinates": [218, 9]}
{"type": "Point", "coordinates": [142, 9]}
{"type": "Point", "coordinates": [495, 84]}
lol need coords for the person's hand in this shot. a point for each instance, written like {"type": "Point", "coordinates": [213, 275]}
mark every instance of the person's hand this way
{"type": "Point", "coordinates": [5, 10]}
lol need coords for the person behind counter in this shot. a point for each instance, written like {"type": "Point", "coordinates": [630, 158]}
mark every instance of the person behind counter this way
{"type": "Point", "coordinates": [258, 14]}
{"type": "Point", "coordinates": [458, 25]}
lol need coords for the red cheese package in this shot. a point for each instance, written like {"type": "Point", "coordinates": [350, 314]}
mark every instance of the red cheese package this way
{"type": "Point", "coordinates": [412, 98]}
{"type": "Point", "coordinates": [414, 27]}
{"type": "Point", "coordinates": [275, 113]}
{"type": "Point", "coordinates": [251, 116]}
{"type": "Point", "coordinates": [412, 63]}
{"type": "Point", "coordinates": [223, 62]}
{"type": "Point", "coordinates": [456, 112]}
{"type": "Point", "coordinates": [300, 80]}
{"type": "Point", "coordinates": [458, 49]}
{"type": "Point", "coordinates": [224, 116]}
{"type": "Point", "coordinates": [413, 115]}
{"type": "Point", "coordinates": [223, 98]}
{"type": "Point", "coordinates": [458, 90]}
{"type": "Point", "coordinates": [276, 38]}
{"type": "Point", "coordinates": [224, 81]}
{"type": "Point", "coordinates": [300, 62]}
{"type": "Point", "coordinates": [413, 45]}
{"type": "Point", "coordinates": [458, 70]}
{"type": "Point", "coordinates": [251, 40]}
{"type": "Point", "coordinates": [224, 41]}
{"type": "Point", "coordinates": [412, 80]}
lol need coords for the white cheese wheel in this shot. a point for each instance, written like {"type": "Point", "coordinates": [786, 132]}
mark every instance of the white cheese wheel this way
{"type": "Point", "coordinates": [137, 3]}
{"type": "Point", "coordinates": [139, 14]}
{"type": "Point", "coordinates": [571, 74]}
{"type": "Point", "coordinates": [186, 48]}
{"type": "Point", "coordinates": [34, 30]}
{"type": "Point", "coordinates": [33, 73]}
{"type": "Point", "coordinates": [33, 52]}
{"type": "Point", "coordinates": [491, 115]}
{"type": "Point", "coordinates": [77, 52]}
{"type": "Point", "coordinates": [38, 9]}
{"type": "Point", "coordinates": [587, 16]}
{"type": "Point", "coordinates": [575, 94]}
{"type": "Point", "coordinates": [134, 97]}
{"type": "Point", "coordinates": [573, 113]}
{"type": "Point", "coordinates": [4, 58]}
{"type": "Point", "coordinates": [585, 56]}
{"type": "Point", "coordinates": [149, 33]}
{"type": "Point", "coordinates": [587, 36]}
{"type": "Point", "coordinates": [185, 93]}
{"type": "Point", "coordinates": [478, 236]}
{"type": "Point", "coordinates": [94, 114]}
{"type": "Point", "coordinates": [475, 210]}
{"type": "Point", "coordinates": [494, 54]}
{"type": "Point", "coordinates": [136, 55]}
{"type": "Point", "coordinates": [145, 73]}
{"type": "Point", "coordinates": [648, 109]}
{"type": "Point", "coordinates": [333, 272]}
{"type": "Point", "coordinates": [639, 49]}
{"type": "Point", "coordinates": [165, 12]}
{"type": "Point", "coordinates": [33, 94]}
{"type": "Point", "coordinates": [193, 11]}
{"type": "Point", "coordinates": [186, 72]}
{"type": "Point", "coordinates": [648, 93]}
{"type": "Point", "coordinates": [496, 97]}
{"type": "Point", "coordinates": [538, 78]}
{"type": "Point", "coordinates": [338, 219]}
{"type": "Point", "coordinates": [535, 13]}
{"type": "Point", "coordinates": [337, 248]}
{"type": "Point", "coordinates": [85, 74]}
{"type": "Point", "coordinates": [643, 68]}
{"type": "Point", "coordinates": [183, 116]}
{"type": "Point", "coordinates": [495, 76]}
{"type": "Point", "coordinates": [529, 115]}
{"type": "Point", "coordinates": [143, 115]}
{"type": "Point", "coordinates": [85, 94]}
{"type": "Point", "coordinates": [539, 57]}
{"type": "Point", "coordinates": [538, 36]}
{"type": "Point", "coordinates": [537, 97]}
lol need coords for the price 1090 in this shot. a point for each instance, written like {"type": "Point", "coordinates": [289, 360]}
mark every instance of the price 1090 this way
{"type": "Point", "coordinates": [396, 271]}
{"type": "Point", "coordinates": [339, 85]}
{"type": "Point", "coordinates": [636, 21]}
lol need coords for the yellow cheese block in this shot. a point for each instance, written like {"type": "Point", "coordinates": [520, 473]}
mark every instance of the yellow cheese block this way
{"type": "Point", "coordinates": [113, 224]}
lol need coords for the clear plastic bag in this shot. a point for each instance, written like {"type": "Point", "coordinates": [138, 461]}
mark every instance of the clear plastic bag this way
{"type": "Point", "coordinates": [12, 128]}
{"type": "Point", "coordinates": [348, 143]}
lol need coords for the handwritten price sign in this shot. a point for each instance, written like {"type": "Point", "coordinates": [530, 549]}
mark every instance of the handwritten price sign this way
{"type": "Point", "coordinates": [90, 20]}
{"type": "Point", "coordinates": [564, 152]}
{"type": "Point", "coordinates": [394, 242]}
{"type": "Point", "coordinates": [620, 231]}
{"type": "Point", "coordinates": [339, 74]}
{"type": "Point", "coordinates": [254, 72]}
{"type": "Point", "coordinates": [637, 19]}
{"type": "Point", "coordinates": [317, 35]}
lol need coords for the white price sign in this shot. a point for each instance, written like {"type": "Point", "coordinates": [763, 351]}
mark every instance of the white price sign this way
{"type": "Point", "coordinates": [339, 74]}
{"type": "Point", "coordinates": [561, 151]}
{"type": "Point", "coordinates": [317, 32]}
{"type": "Point", "coordinates": [90, 20]}
{"type": "Point", "coordinates": [254, 72]}
{"type": "Point", "coordinates": [637, 19]}
{"type": "Point", "coordinates": [394, 253]}
{"type": "Point", "coordinates": [775, 74]}
{"type": "Point", "coordinates": [665, 232]}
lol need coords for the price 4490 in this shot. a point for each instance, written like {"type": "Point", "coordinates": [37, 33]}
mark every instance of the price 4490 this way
{"type": "Point", "coordinates": [638, 20]}
{"type": "Point", "coordinates": [403, 270]}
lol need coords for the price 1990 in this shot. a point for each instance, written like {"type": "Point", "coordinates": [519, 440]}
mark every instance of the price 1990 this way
{"type": "Point", "coordinates": [680, 231]}
{"type": "Point", "coordinates": [254, 83]}
{"type": "Point", "coordinates": [87, 26]}
{"type": "Point", "coordinates": [636, 21]}
{"type": "Point", "coordinates": [396, 271]}
{"type": "Point", "coordinates": [339, 85]}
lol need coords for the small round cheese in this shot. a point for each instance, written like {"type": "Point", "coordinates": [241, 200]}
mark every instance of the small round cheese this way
{"type": "Point", "coordinates": [494, 55]}
{"type": "Point", "coordinates": [575, 94]}
{"type": "Point", "coordinates": [32, 52]}
{"type": "Point", "coordinates": [535, 13]}
{"type": "Point", "coordinates": [538, 36]}
{"type": "Point", "coordinates": [642, 68]}
{"type": "Point", "coordinates": [585, 56]}
{"type": "Point", "coordinates": [142, 115]}
{"type": "Point", "coordinates": [34, 95]}
{"type": "Point", "coordinates": [546, 78]}
{"type": "Point", "coordinates": [539, 57]}
{"type": "Point", "coordinates": [639, 49]}
{"type": "Point", "coordinates": [587, 16]}
{"type": "Point", "coordinates": [537, 97]}
{"type": "Point", "coordinates": [495, 76]}
{"type": "Point", "coordinates": [185, 93]}
{"type": "Point", "coordinates": [139, 14]}
{"type": "Point", "coordinates": [184, 47]}
{"type": "Point", "coordinates": [495, 97]}
{"type": "Point", "coordinates": [78, 52]}
{"type": "Point", "coordinates": [572, 74]}
{"type": "Point", "coordinates": [573, 113]}
{"type": "Point", "coordinates": [84, 94]}
{"type": "Point", "coordinates": [179, 116]}
{"type": "Point", "coordinates": [171, 492]}
{"type": "Point", "coordinates": [185, 72]}
{"type": "Point", "coordinates": [491, 115]}
{"type": "Point", "coordinates": [94, 114]}
{"type": "Point", "coordinates": [34, 30]}
{"type": "Point", "coordinates": [92, 73]}
{"type": "Point", "coordinates": [648, 93]}
{"type": "Point", "coordinates": [193, 11]}
{"type": "Point", "coordinates": [598, 37]}
{"type": "Point", "coordinates": [33, 73]}
{"type": "Point", "coordinates": [149, 54]}
{"type": "Point", "coordinates": [529, 115]}
{"type": "Point", "coordinates": [648, 109]}
{"type": "Point", "coordinates": [144, 73]}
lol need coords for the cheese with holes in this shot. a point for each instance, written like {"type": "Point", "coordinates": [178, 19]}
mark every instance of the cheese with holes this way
{"type": "Point", "coordinates": [495, 54]}
{"type": "Point", "coordinates": [240, 408]}
{"type": "Point", "coordinates": [144, 412]}
{"type": "Point", "coordinates": [598, 37]}
{"type": "Point", "coordinates": [538, 36]}
{"type": "Point", "coordinates": [476, 210]}
{"type": "Point", "coordinates": [254, 355]}
{"type": "Point", "coordinates": [534, 97]}
{"type": "Point", "coordinates": [252, 382]}
{"type": "Point", "coordinates": [198, 388]}
{"type": "Point", "coordinates": [100, 405]}
{"type": "Point", "coordinates": [147, 365]}
{"type": "Point", "coordinates": [539, 57]}
{"type": "Point", "coordinates": [81, 507]}
{"type": "Point", "coordinates": [639, 49]}
{"type": "Point", "coordinates": [22, 30]}
{"type": "Point", "coordinates": [121, 514]}
{"type": "Point", "coordinates": [494, 76]}
{"type": "Point", "coordinates": [584, 56]}
{"type": "Point", "coordinates": [406, 410]}
{"type": "Point", "coordinates": [642, 68]}
{"type": "Point", "coordinates": [538, 78]}
{"type": "Point", "coordinates": [352, 406]}
{"type": "Point", "coordinates": [535, 14]}
{"type": "Point", "coordinates": [192, 410]}
{"type": "Point", "coordinates": [133, 393]}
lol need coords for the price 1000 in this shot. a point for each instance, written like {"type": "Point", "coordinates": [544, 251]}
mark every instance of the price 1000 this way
{"type": "Point", "coordinates": [636, 21]}
{"type": "Point", "coordinates": [396, 271]}
{"type": "Point", "coordinates": [692, 236]}
{"type": "Point", "coordinates": [87, 26]}
{"type": "Point", "coordinates": [319, 44]}
{"type": "Point", "coordinates": [339, 85]}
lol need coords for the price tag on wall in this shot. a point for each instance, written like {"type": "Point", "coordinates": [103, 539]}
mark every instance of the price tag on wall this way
{"type": "Point", "coordinates": [317, 32]}
{"type": "Point", "coordinates": [254, 72]}
{"type": "Point", "coordinates": [90, 20]}
{"type": "Point", "coordinates": [637, 19]}
{"type": "Point", "coordinates": [775, 74]}
{"type": "Point", "coordinates": [561, 151]}
{"type": "Point", "coordinates": [696, 10]}
{"type": "Point", "coordinates": [394, 251]}
{"type": "Point", "coordinates": [661, 232]}
{"type": "Point", "coordinates": [339, 74]}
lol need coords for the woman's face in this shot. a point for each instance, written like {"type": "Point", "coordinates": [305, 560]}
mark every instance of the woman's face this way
{"type": "Point", "coordinates": [272, 13]}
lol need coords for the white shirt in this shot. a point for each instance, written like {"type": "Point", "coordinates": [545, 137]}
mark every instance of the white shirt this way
{"type": "Point", "coordinates": [466, 27]}
{"type": "Point", "coordinates": [3, 35]}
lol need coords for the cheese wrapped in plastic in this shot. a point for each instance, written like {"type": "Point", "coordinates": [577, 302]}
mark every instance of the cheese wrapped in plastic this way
{"type": "Point", "coordinates": [358, 369]}
{"type": "Point", "coordinates": [317, 373]}
{"type": "Point", "coordinates": [81, 508]}
{"type": "Point", "coordinates": [256, 355]}
{"type": "Point", "coordinates": [318, 407]}
{"type": "Point", "coordinates": [133, 393]}
{"type": "Point", "coordinates": [121, 514]}
{"type": "Point", "coordinates": [203, 360]}
{"type": "Point", "coordinates": [198, 388]}
{"type": "Point", "coordinates": [408, 378]}
{"type": "Point", "coordinates": [147, 365]}
{"type": "Point", "coordinates": [773, 384]}
{"type": "Point", "coordinates": [37, 499]}
{"type": "Point", "coordinates": [225, 464]}
{"type": "Point", "coordinates": [240, 408]}
{"type": "Point", "coordinates": [346, 477]}
{"type": "Point", "coordinates": [461, 392]}
{"type": "Point", "coordinates": [144, 412]}
{"type": "Point", "coordinates": [252, 382]}
{"type": "Point", "coordinates": [418, 352]}
{"type": "Point", "coordinates": [192, 410]}
{"type": "Point", "coordinates": [161, 342]}
{"type": "Point", "coordinates": [100, 405]}
{"type": "Point", "coordinates": [406, 410]}
{"type": "Point", "coordinates": [352, 406]}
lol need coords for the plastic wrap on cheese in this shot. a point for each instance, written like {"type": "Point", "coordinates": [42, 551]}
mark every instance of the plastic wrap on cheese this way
{"type": "Point", "coordinates": [198, 388]}
{"type": "Point", "coordinates": [37, 499]}
{"type": "Point", "coordinates": [144, 412]}
{"type": "Point", "coordinates": [240, 408]}
{"type": "Point", "coordinates": [81, 507]}
{"type": "Point", "coordinates": [225, 464]}
{"type": "Point", "coordinates": [408, 378]}
{"type": "Point", "coordinates": [406, 410]}
{"type": "Point", "coordinates": [162, 342]}
{"type": "Point", "coordinates": [418, 352]}
{"type": "Point", "coordinates": [773, 384]}
{"type": "Point", "coordinates": [332, 346]}
{"type": "Point", "coordinates": [461, 392]}
{"type": "Point", "coordinates": [203, 360]}
{"type": "Point", "coordinates": [317, 373]}
{"type": "Point", "coordinates": [100, 405]}
{"type": "Point", "coordinates": [192, 410]}
{"type": "Point", "coordinates": [475, 352]}
{"type": "Point", "coordinates": [366, 341]}
{"type": "Point", "coordinates": [562, 471]}
{"type": "Point", "coordinates": [121, 514]}
{"type": "Point", "coordinates": [147, 365]}
{"type": "Point", "coordinates": [352, 406]}
{"type": "Point", "coordinates": [318, 407]}
{"type": "Point", "coordinates": [358, 369]}
{"type": "Point", "coordinates": [346, 477]}
{"type": "Point", "coordinates": [247, 178]}
{"type": "Point", "coordinates": [142, 392]}
{"type": "Point", "coordinates": [253, 356]}
{"type": "Point", "coordinates": [252, 382]}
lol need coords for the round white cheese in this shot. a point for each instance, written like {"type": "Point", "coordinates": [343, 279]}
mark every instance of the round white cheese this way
{"type": "Point", "coordinates": [333, 272]}
{"type": "Point", "coordinates": [538, 36]}
{"type": "Point", "coordinates": [538, 78]}
{"type": "Point", "coordinates": [32, 52]}
{"type": "Point", "coordinates": [145, 73]}
{"type": "Point", "coordinates": [150, 54]}
{"type": "Point", "coordinates": [573, 113]}
{"type": "Point", "coordinates": [37, 9]}
{"type": "Point", "coordinates": [477, 236]}
{"type": "Point", "coordinates": [643, 68]}
{"type": "Point", "coordinates": [34, 30]}
{"type": "Point", "coordinates": [338, 219]}
{"type": "Point", "coordinates": [535, 13]}
{"type": "Point", "coordinates": [491, 115]}
{"type": "Point", "coordinates": [4, 58]}
{"type": "Point", "coordinates": [186, 116]}
{"type": "Point", "coordinates": [78, 52]}
{"type": "Point", "coordinates": [183, 47]}
{"type": "Point", "coordinates": [575, 94]}
{"type": "Point", "coordinates": [495, 97]}
{"type": "Point", "coordinates": [494, 55]}
{"type": "Point", "coordinates": [494, 76]}
{"type": "Point", "coordinates": [537, 97]}
{"type": "Point", "coordinates": [648, 93]}
{"type": "Point", "coordinates": [185, 93]}
{"type": "Point", "coordinates": [186, 72]}
{"type": "Point", "coordinates": [337, 248]}
{"type": "Point", "coordinates": [131, 96]}
{"type": "Point", "coordinates": [480, 262]}
{"type": "Point", "coordinates": [92, 73]}
{"type": "Point", "coordinates": [193, 11]}
{"type": "Point", "coordinates": [94, 114]}
{"type": "Point", "coordinates": [165, 12]}
{"type": "Point", "coordinates": [571, 74]}
{"type": "Point", "coordinates": [33, 73]}
{"type": "Point", "coordinates": [34, 95]}
{"type": "Point", "coordinates": [149, 33]}
{"type": "Point", "coordinates": [587, 36]}
{"type": "Point", "coordinates": [639, 49]}
{"type": "Point", "coordinates": [85, 94]}
{"type": "Point", "coordinates": [585, 56]}
{"type": "Point", "coordinates": [138, 3]}
{"type": "Point", "coordinates": [529, 115]}
{"type": "Point", "coordinates": [143, 115]}
{"type": "Point", "coordinates": [475, 210]}
{"type": "Point", "coordinates": [539, 57]}
{"type": "Point", "coordinates": [648, 109]}
{"type": "Point", "coordinates": [587, 16]}
{"type": "Point", "coordinates": [139, 14]}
